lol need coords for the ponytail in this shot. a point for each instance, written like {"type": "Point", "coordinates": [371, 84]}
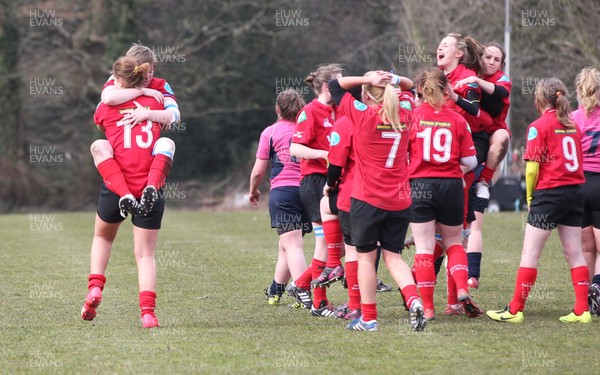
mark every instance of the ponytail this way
{"type": "Point", "coordinates": [389, 109]}
{"type": "Point", "coordinates": [432, 84]}
{"type": "Point", "coordinates": [129, 72]}
{"type": "Point", "coordinates": [552, 92]}
{"type": "Point", "coordinates": [587, 84]}
{"type": "Point", "coordinates": [472, 52]}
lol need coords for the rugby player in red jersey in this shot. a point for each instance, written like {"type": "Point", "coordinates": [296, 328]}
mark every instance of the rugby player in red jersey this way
{"type": "Point", "coordinates": [440, 143]}
{"type": "Point", "coordinates": [133, 152]}
{"type": "Point", "coordinates": [495, 91]}
{"type": "Point", "coordinates": [160, 90]}
{"type": "Point", "coordinates": [337, 190]}
{"type": "Point", "coordinates": [311, 145]}
{"type": "Point", "coordinates": [380, 195]}
{"type": "Point", "coordinates": [554, 174]}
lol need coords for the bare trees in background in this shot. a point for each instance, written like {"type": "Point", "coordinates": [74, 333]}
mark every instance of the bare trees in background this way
{"type": "Point", "coordinates": [226, 61]}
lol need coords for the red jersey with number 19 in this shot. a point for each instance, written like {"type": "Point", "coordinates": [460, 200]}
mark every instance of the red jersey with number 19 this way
{"type": "Point", "coordinates": [438, 140]}
{"type": "Point", "coordinates": [314, 124]}
{"type": "Point", "coordinates": [132, 144]}
{"type": "Point", "coordinates": [381, 177]}
{"type": "Point", "coordinates": [341, 154]}
{"type": "Point", "coordinates": [558, 151]}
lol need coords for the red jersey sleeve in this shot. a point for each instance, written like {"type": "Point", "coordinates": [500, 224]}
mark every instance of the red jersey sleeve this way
{"type": "Point", "coordinates": [340, 142]}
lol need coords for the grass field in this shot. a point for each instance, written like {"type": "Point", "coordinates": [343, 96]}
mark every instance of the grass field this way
{"type": "Point", "coordinates": [212, 268]}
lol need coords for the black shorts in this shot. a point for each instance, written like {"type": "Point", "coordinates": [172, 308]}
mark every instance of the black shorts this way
{"type": "Point", "coordinates": [311, 192]}
{"type": "Point", "coordinates": [344, 217]}
{"type": "Point", "coordinates": [108, 210]}
{"type": "Point", "coordinates": [286, 210]}
{"type": "Point", "coordinates": [333, 198]}
{"type": "Point", "coordinates": [478, 204]}
{"type": "Point", "coordinates": [481, 141]}
{"type": "Point", "coordinates": [439, 199]}
{"type": "Point", "coordinates": [371, 225]}
{"type": "Point", "coordinates": [591, 200]}
{"type": "Point", "coordinates": [551, 207]}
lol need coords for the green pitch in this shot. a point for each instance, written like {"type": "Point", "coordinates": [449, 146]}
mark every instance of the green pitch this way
{"type": "Point", "coordinates": [212, 269]}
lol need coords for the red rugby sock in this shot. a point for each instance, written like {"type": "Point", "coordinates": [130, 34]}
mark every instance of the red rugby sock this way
{"type": "Point", "coordinates": [113, 177]}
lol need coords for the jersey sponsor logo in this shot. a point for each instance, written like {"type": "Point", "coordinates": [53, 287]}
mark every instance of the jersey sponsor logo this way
{"type": "Point", "coordinates": [504, 78]}
{"type": "Point", "coordinates": [565, 131]}
{"type": "Point", "coordinates": [533, 133]}
{"type": "Point", "coordinates": [326, 123]}
{"type": "Point", "coordinates": [302, 117]}
{"type": "Point", "coordinates": [360, 105]}
{"type": "Point", "coordinates": [435, 123]}
{"type": "Point", "coordinates": [406, 105]}
{"type": "Point", "coordinates": [298, 134]}
{"type": "Point", "coordinates": [334, 139]}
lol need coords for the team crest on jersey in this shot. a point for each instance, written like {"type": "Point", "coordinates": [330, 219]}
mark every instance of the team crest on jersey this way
{"type": "Point", "coordinates": [326, 123]}
{"type": "Point", "coordinates": [334, 139]}
{"type": "Point", "coordinates": [533, 133]}
{"type": "Point", "coordinates": [472, 85]}
{"type": "Point", "coordinates": [406, 105]}
{"type": "Point", "coordinates": [504, 78]}
{"type": "Point", "coordinates": [302, 117]}
{"type": "Point", "coordinates": [360, 105]}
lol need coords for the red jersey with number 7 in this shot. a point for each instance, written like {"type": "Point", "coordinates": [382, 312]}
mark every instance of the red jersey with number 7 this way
{"type": "Point", "coordinates": [558, 151]}
{"type": "Point", "coordinates": [381, 177]}
{"type": "Point", "coordinates": [438, 140]}
{"type": "Point", "coordinates": [132, 145]}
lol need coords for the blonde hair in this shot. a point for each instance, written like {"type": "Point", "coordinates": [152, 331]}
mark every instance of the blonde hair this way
{"type": "Point", "coordinates": [129, 72]}
{"type": "Point", "coordinates": [323, 74]}
{"type": "Point", "coordinates": [587, 84]}
{"type": "Point", "coordinates": [290, 103]}
{"type": "Point", "coordinates": [553, 92]}
{"type": "Point", "coordinates": [387, 96]}
{"type": "Point", "coordinates": [432, 84]}
{"type": "Point", "coordinates": [141, 54]}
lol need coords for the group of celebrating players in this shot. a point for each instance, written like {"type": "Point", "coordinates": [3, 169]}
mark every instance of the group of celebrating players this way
{"type": "Point", "coordinates": [372, 155]}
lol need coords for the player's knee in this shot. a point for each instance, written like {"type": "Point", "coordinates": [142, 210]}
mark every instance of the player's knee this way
{"type": "Point", "coordinates": [164, 146]}
{"type": "Point", "coordinates": [101, 150]}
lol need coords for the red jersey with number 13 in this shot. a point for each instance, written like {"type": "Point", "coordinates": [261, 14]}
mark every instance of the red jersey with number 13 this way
{"type": "Point", "coordinates": [132, 145]}
{"type": "Point", "coordinates": [381, 177]}
{"type": "Point", "coordinates": [558, 151]}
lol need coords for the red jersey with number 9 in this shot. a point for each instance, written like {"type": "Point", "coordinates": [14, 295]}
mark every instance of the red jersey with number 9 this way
{"type": "Point", "coordinates": [558, 151]}
{"type": "Point", "coordinates": [438, 140]}
{"type": "Point", "coordinates": [381, 177]}
{"type": "Point", "coordinates": [132, 145]}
